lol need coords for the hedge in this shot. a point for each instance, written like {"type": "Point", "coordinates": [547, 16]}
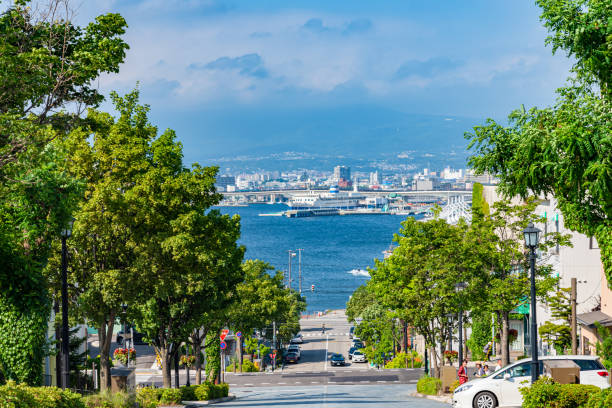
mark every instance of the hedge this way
{"type": "Point", "coordinates": [152, 397]}
{"type": "Point", "coordinates": [13, 395]}
{"type": "Point", "coordinates": [546, 393]}
{"type": "Point", "coordinates": [429, 385]}
{"type": "Point", "coordinates": [601, 399]}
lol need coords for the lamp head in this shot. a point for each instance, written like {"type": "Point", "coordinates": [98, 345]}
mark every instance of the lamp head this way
{"type": "Point", "coordinates": [532, 236]}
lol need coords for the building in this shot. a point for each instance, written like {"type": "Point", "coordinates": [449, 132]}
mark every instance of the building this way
{"type": "Point", "coordinates": [375, 179]}
{"type": "Point", "coordinates": [423, 184]}
{"type": "Point", "coordinates": [224, 181]}
{"type": "Point", "coordinates": [342, 173]}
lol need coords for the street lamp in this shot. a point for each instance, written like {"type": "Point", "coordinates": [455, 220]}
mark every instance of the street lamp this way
{"type": "Point", "coordinates": [125, 336]}
{"type": "Point", "coordinates": [65, 330]}
{"type": "Point", "coordinates": [459, 287]}
{"type": "Point", "coordinates": [531, 234]}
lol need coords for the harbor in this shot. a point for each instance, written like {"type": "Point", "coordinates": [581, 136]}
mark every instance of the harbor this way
{"type": "Point", "coordinates": [322, 212]}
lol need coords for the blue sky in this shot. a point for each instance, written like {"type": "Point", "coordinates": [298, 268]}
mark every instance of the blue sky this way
{"type": "Point", "coordinates": [205, 64]}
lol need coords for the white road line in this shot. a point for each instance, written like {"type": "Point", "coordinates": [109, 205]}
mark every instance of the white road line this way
{"type": "Point", "coordinates": [314, 382]}
{"type": "Point", "coordinates": [281, 383]}
{"type": "Point", "coordinates": [248, 384]}
{"type": "Point", "coordinates": [298, 382]}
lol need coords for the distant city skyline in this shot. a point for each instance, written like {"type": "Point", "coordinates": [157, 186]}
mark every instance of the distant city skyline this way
{"type": "Point", "coordinates": [237, 76]}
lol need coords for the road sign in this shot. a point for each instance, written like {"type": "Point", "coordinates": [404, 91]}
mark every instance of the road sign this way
{"type": "Point", "coordinates": [224, 333]}
{"type": "Point", "coordinates": [223, 345]}
{"type": "Point", "coordinates": [238, 334]}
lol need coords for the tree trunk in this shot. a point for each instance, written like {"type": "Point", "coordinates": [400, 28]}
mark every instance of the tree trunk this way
{"type": "Point", "coordinates": [165, 361]}
{"type": "Point", "coordinates": [197, 349]}
{"type": "Point", "coordinates": [176, 366]}
{"type": "Point", "coordinates": [105, 334]}
{"type": "Point", "coordinates": [505, 343]}
{"type": "Point", "coordinates": [435, 366]}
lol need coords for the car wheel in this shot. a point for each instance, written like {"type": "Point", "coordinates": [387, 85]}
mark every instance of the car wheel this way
{"type": "Point", "coordinates": [485, 400]}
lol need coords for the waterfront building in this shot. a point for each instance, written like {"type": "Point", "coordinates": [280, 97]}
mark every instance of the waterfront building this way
{"type": "Point", "coordinates": [342, 173]}
{"type": "Point", "coordinates": [334, 199]}
{"type": "Point", "coordinates": [375, 179]}
{"type": "Point", "coordinates": [224, 181]}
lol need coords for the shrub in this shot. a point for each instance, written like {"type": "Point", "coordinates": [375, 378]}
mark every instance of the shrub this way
{"type": "Point", "coordinates": [170, 396]}
{"type": "Point", "coordinates": [224, 390]}
{"type": "Point", "coordinates": [22, 396]}
{"type": "Point", "coordinates": [601, 399]}
{"type": "Point", "coordinates": [108, 399]}
{"type": "Point", "coordinates": [429, 385]}
{"type": "Point", "coordinates": [453, 386]}
{"type": "Point", "coordinates": [401, 359]}
{"type": "Point", "coordinates": [249, 367]}
{"type": "Point", "coordinates": [148, 397]}
{"type": "Point", "coordinates": [546, 393]}
{"type": "Point", "coordinates": [188, 393]}
{"type": "Point", "coordinates": [202, 392]}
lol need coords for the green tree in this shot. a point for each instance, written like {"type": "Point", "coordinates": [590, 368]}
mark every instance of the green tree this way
{"type": "Point", "coordinates": [362, 298]}
{"type": "Point", "coordinates": [46, 63]}
{"type": "Point", "coordinates": [482, 333]}
{"type": "Point", "coordinates": [503, 275]}
{"type": "Point", "coordinates": [564, 150]}
{"type": "Point", "coordinates": [559, 334]}
{"type": "Point", "coordinates": [418, 279]}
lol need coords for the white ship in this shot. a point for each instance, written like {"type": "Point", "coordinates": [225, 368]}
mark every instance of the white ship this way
{"type": "Point", "coordinates": [333, 199]}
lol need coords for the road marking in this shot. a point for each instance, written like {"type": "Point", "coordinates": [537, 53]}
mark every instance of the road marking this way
{"type": "Point", "coordinates": [265, 383]}
{"type": "Point", "coordinates": [314, 382]}
{"type": "Point", "coordinates": [281, 383]}
{"type": "Point", "coordinates": [298, 382]}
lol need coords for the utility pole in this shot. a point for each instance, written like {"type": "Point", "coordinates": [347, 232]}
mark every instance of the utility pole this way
{"type": "Point", "coordinates": [574, 322]}
{"type": "Point", "coordinates": [291, 255]}
{"type": "Point", "coordinates": [274, 344]}
{"type": "Point", "coordinates": [300, 269]}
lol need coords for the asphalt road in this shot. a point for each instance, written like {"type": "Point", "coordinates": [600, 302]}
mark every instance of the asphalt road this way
{"type": "Point", "coordinates": [330, 396]}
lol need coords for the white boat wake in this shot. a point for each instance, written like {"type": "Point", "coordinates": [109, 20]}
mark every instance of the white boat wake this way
{"type": "Point", "coordinates": [359, 272]}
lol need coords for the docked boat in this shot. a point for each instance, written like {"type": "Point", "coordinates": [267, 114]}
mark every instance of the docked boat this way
{"type": "Point", "coordinates": [333, 199]}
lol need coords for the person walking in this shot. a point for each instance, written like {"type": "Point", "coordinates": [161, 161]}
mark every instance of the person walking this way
{"type": "Point", "coordinates": [486, 371]}
{"type": "Point", "coordinates": [462, 373]}
{"type": "Point", "coordinates": [487, 350]}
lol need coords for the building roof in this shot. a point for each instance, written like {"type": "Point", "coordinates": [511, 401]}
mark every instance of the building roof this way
{"type": "Point", "coordinates": [589, 319]}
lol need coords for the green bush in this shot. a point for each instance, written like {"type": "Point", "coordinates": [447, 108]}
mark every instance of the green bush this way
{"type": "Point", "coordinates": [170, 396]}
{"type": "Point", "coordinates": [601, 399]}
{"type": "Point", "coordinates": [429, 385]}
{"type": "Point", "coordinates": [224, 387]}
{"type": "Point", "coordinates": [22, 396]}
{"type": "Point", "coordinates": [188, 393]}
{"type": "Point", "coordinates": [404, 360]}
{"type": "Point", "coordinates": [249, 367]}
{"type": "Point", "coordinates": [148, 397]}
{"type": "Point", "coordinates": [108, 399]}
{"type": "Point", "coordinates": [203, 392]}
{"type": "Point", "coordinates": [546, 393]}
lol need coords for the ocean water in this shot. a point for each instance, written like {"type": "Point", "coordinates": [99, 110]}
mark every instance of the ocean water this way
{"type": "Point", "coordinates": [336, 250]}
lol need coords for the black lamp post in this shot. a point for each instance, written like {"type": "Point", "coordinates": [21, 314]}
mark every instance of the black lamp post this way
{"type": "Point", "coordinates": [65, 351]}
{"type": "Point", "coordinates": [125, 335]}
{"type": "Point", "coordinates": [531, 234]}
{"type": "Point", "coordinates": [459, 287]}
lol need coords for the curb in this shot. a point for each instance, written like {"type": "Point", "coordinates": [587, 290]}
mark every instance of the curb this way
{"type": "Point", "coordinates": [195, 404]}
{"type": "Point", "coordinates": [442, 398]}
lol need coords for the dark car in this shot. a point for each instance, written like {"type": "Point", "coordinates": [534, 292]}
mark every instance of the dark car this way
{"type": "Point", "coordinates": [337, 360]}
{"type": "Point", "coordinates": [291, 358]}
{"type": "Point", "coordinates": [351, 332]}
{"type": "Point", "coordinates": [358, 345]}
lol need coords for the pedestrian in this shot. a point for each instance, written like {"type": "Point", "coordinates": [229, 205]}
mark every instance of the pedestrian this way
{"type": "Point", "coordinates": [487, 350]}
{"type": "Point", "coordinates": [486, 371]}
{"type": "Point", "coordinates": [323, 329]}
{"type": "Point", "coordinates": [498, 366]}
{"type": "Point", "coordinates": [479, 370]}
{"type": "Point", "coordinates": [462, 373]}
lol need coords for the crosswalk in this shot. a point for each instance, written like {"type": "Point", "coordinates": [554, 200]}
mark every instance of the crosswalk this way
{"type": "Point", "coordinates": [319, 334]}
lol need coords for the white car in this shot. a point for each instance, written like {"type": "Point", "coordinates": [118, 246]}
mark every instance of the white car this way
{"type": "Point", "coordinates": [359, 357]}
{"type": "Point", "coordinates": [501, 389]}
{"type": "Point", "coordinates": [294, 348]}
{"type": "Point", "coordinates": [298, 339]}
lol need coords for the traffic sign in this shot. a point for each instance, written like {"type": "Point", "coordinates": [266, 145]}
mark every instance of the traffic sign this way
{"type": "Point", "coordinates": [238, 334]}
{"type": "Point", "coordinates": [224, 333]}
{"type": "Point", "coordinates": [223, 345]}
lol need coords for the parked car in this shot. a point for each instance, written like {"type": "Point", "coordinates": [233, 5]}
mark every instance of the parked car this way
{"type": "Point", "coordinates": [291, 358]}
{"type": "Point", "coordinates": [359, 357]}
{"type": "Point", "coordinates": [351, 351]}
{"type": "Point", "coordinates": [298, 339]}
{"type": "Point", "coordinates": [337, 360]}
{"type": "Point", "coordinates": [294, 348]}
{"type": "Point", "coordinates": [351, 332]}
{"type": "Point", "coordinates": [502, 387]}
{"type": "Point", "coordinates": [358, 344]}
